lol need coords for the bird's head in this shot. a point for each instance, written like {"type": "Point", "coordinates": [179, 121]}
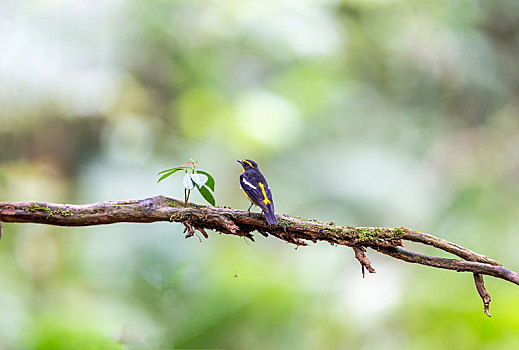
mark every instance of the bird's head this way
{"type": "Point", "coordinates": [248, 164]}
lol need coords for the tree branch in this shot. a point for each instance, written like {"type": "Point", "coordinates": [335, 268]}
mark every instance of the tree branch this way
{"type": "Point", "coordinates": [386, 240]}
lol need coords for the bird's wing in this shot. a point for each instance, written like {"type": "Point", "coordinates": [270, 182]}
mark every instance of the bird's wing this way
{"type": "Point", "coordinates": [254, 189]}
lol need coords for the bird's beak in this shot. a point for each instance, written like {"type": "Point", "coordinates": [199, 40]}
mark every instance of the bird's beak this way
{"type": "Point", "coordinates": [239, 161]}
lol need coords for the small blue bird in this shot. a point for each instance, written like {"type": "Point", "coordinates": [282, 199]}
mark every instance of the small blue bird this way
{"type": "Point", "coordinates": [257, 190]}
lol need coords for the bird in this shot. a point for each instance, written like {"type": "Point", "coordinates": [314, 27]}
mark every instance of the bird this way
{"type": "Point", "coordinates": [257, 190]}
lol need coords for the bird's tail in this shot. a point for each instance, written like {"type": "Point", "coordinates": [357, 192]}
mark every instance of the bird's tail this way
{"type": "Point", "coordinates": [271, 218]}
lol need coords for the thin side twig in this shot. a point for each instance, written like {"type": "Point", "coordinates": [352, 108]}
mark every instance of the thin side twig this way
{"type": "Point", "coordinates": [447, 246]}
{"type": "Point", "coordinates": [451, 264]}
{"type": "Point", "coordinates": [360, 255]}
{"type": "Point", "coordinates": [480, 286]}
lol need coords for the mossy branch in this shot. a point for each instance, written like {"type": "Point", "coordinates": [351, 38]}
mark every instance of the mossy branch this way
{"type": "Point", "coordinates": [386, 240]}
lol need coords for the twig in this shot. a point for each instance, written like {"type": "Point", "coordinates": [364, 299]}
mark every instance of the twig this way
{"type": "Point", "coordinates": [189, 228]}
{"type": "Point", "coordinates": [480, 286]}
{"type": "Point", "coordinates": [363, 260]}
{"type": "Point", "coordinates": [447, 246]}
{"type": "Point", "coordinates": [452, 264]}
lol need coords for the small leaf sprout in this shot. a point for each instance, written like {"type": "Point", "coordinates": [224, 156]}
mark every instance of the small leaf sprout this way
{"type": "Point", "coordinates": [193, 177]}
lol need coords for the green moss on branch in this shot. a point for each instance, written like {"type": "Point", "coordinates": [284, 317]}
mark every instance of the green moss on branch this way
{"type": "Point", "coordinates": [35, 207]}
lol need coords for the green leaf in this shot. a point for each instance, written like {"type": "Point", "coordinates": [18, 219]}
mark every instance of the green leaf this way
{"type": "Point", "coordinates": [170, 172]}
{"type": "Point", "coordinates": [204, 191]}
{"type": "Point", "coordinates": [176, 169]}
{"type": "Point", "coordinates": [210, 179]}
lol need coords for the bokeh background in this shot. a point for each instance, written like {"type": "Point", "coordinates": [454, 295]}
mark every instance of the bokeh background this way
{"type": "Point", "coordinates": [381, 112]}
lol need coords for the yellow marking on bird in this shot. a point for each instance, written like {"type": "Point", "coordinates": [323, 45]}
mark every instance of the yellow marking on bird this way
{"type": "Point", "coordinates": [246, 161]}
{"type": "Point", "coordinates": [266, 200]}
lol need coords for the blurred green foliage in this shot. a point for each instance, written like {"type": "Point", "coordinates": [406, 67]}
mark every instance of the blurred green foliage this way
{"type": "Point", "coordinates": [382, 112]}
{"type": "Point", "coordinates": [51, 335]}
